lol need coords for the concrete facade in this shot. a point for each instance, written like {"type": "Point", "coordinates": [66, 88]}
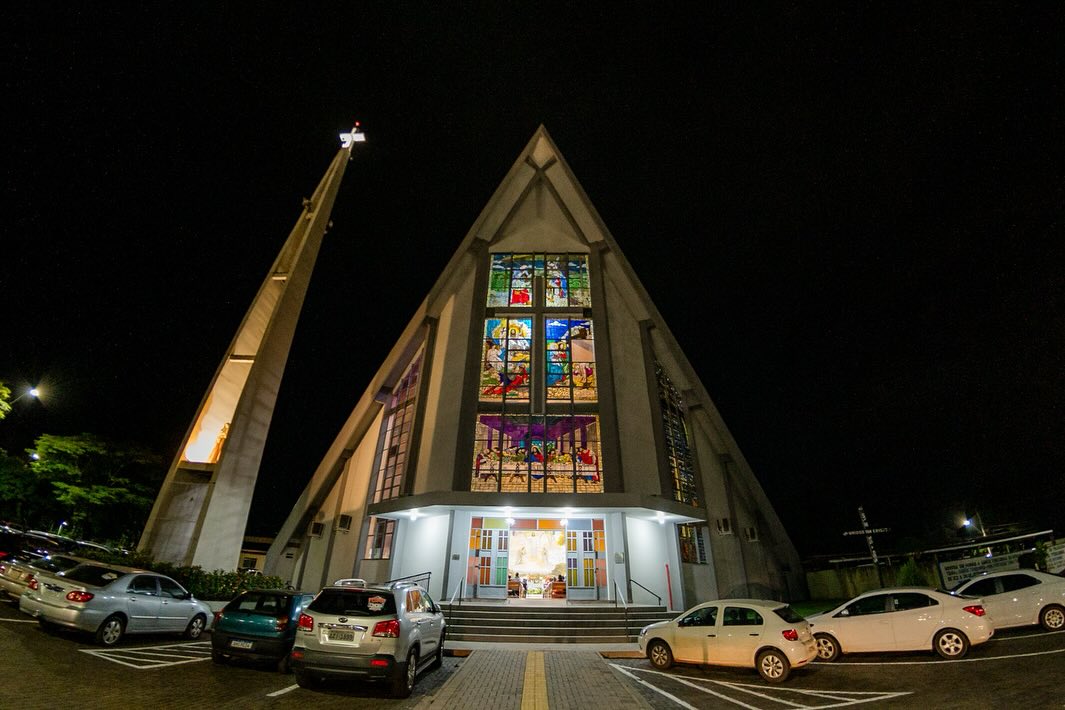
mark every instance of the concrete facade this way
{"type": "Point", "coordinates": [614, 516]}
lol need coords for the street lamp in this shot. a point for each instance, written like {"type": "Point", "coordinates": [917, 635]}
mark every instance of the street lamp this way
{"type": "Point", "coordinates": [32, 392]}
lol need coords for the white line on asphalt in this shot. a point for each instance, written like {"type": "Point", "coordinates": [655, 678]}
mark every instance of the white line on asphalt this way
{"type": "Point", "coordinates": [841, 698]}
{"type": "Point", "coordinates": [939, 661]}
{"type": "Point", "coordinates": [21, 621]}
{"type": "Point", "coordinates": [658, 690]}
{"type": "Point", "coordinates": [282, 691]}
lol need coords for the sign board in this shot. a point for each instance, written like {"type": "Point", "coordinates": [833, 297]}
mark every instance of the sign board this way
{"type": "Point", "coordinates": [955, 571]}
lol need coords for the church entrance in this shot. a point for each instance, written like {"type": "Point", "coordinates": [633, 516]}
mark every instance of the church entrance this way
{"type": "Point", "coordinates": [537, 558]}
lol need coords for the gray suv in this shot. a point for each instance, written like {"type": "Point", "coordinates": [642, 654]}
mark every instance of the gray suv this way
{"type": "Point", "coordinates": [383, 632]}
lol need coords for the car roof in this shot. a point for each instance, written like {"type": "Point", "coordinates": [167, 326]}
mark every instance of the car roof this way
{"type": "Point", "coordinates": [762, 603]}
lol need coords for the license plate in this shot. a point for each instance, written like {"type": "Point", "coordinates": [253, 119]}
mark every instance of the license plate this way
{"type": "Point", "coordinates": [342, 636]}
{"type": "Point", "coordinates": [236, 643]}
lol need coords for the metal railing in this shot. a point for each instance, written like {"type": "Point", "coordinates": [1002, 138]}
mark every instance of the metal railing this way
{"type": "Point", "coordinates": [427, 576]}
{"type": "Point", "coordinates": [633, 581]}
{"type": "Point", "coordinates": [624, 605]}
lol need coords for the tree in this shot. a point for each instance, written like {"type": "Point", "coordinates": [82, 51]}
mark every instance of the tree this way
{"type": "Point", "coordinates": [5, 396]}
{"type": "Point", "coordinates": [103, 490]}
{"type": "Point", "coordinates": [18, 489]}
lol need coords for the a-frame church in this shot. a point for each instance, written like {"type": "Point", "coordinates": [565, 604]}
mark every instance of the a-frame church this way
{"type": "Point", "coordinates": [537, 418]}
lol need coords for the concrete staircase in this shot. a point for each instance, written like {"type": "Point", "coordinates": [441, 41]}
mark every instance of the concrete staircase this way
{"type": "Point", "coordinates": [549, 621]}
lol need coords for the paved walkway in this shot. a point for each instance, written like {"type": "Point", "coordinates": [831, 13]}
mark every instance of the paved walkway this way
{"type": "Point", "coordinates": [528, 677]}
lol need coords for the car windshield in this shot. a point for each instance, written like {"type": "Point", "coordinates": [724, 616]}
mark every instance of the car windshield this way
{"type": "Point", "coordinates": [95, 575]}
{"type": "Point", "coordinates": [788, 614]}
{"type": "Point", "coordinates": [354, 602]}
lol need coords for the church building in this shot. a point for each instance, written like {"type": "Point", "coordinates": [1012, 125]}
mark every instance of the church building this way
{"type": "Point", "coordinates": [537, 419]}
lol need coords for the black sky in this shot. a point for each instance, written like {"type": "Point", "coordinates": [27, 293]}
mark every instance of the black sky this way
{"type": "Point", "coordinates": [850, 216]}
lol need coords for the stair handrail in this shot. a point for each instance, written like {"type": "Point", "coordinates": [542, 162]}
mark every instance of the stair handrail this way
{"type": "Point", "coordinates": [427, 576]}
{"type": "Point", "coordinates": [458, 587]}
{"type": "Point", "coordinates": [648, 591]}
{"type": "Point", "coordinates": [624, 605]}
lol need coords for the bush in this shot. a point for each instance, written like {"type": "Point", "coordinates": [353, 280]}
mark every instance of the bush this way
{"type": "Point", "coordinates": [209, 586]}
{"type": "Point", "coordinates": [911, 575]}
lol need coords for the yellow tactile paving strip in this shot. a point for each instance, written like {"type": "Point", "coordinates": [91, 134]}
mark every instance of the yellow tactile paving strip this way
{"type": "Point", "coordinates": [534, 691]}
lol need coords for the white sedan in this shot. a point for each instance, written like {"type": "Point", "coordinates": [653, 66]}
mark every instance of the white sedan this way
{"type": "Point", "coordinates": [902, 619]}
{"type": "Point", "coordinates": [1020, 598]}
{"type": "Point", "coordinates": [749, 633]}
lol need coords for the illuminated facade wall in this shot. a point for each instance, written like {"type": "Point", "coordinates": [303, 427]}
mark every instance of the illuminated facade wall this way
{"type": "Point", "coordinates": [537, 418]}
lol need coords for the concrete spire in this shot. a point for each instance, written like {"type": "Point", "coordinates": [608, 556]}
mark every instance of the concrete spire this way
{"type": "Point", "coordinates": [202, 509]}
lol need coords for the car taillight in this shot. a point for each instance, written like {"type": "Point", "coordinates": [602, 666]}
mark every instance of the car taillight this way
{"type": "Point", "coordinates": [975, 609]}
{"type": "Point", "coordinates": [79, 596]}
{"type": "Point", "coordinates": [33, 584]}
{"type": "Point", "coordinates": [218, 617]}
{"type": "Point", "coordinates": [388, 629]}
{"type": "Point", "coordinates": [281, 623]}
{"type": "Point", "coordinates": [306, 623]}
{"type": "Point", "coordinates": [378, 663]}
{"type": "Point", "coordinates": [790, 634]}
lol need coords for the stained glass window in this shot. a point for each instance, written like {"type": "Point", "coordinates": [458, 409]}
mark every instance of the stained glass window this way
{"type": "Point", "coordinates": [678, 452]}
{"type": "Point", "coordinates": [506, 362]}
{"type": "Point", "coordinates": [565, 277]}
{"type": "Point", "coordinates": [570, 359]}
{"type": "Point", "coordinates": [552, 453]}
{"type": "Point", "coordinates": [537, 427]}
{"type": "Point", "coordinates": [395, 435]}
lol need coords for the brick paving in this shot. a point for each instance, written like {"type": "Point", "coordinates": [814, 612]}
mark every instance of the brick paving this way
{"type": "Point", "coordinates": [513, 679]}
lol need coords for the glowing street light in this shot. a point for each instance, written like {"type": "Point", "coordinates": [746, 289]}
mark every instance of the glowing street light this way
{"type": "Point", "coordinates": [32, 392]}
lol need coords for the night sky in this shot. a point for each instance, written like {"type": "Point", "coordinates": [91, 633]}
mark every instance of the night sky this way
{"type": "Point", "coordinates": [850, 216]}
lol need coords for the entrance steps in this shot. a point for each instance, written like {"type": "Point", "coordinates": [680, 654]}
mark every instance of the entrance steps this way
{"type": "Point", "coordinates": [549, 621]}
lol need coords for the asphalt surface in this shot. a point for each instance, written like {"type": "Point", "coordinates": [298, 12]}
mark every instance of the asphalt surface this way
{"type": "Point", "coordinates": [1021, 668]}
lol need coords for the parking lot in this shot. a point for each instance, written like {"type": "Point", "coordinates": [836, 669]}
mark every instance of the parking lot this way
{"type": "Point", "coordinates": [1019, 668]}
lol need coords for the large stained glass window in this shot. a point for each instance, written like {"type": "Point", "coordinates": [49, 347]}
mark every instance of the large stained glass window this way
{"type": "Point", "coordinates": [513, 277]}
{"type": "Point", "coordinates": [527, 453]}
{"type": "Point", "coordinates": [537, 424]}
{"type": "Point", "coordinates": [678, 452]}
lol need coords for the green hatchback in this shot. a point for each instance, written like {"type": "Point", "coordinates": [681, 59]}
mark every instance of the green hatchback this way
{"type": "Point", "coordinates": [258, 625]}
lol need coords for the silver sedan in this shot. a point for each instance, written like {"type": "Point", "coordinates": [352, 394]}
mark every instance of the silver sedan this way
{"type": "Point", "coordinates": [110, 601]}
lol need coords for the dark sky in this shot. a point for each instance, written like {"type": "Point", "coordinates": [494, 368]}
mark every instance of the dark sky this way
{"type": "Point", "coordinates": [849, 215]}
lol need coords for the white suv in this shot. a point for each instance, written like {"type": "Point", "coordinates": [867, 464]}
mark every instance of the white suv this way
{"type": "Point", "coordinates": [372, 632]}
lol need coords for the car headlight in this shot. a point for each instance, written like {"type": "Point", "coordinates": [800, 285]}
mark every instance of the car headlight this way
{"type": "Point", "coordinates": [643, 631]}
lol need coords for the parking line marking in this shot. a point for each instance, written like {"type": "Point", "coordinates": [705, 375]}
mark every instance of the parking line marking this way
{"type": "Point", "coordinates": [658, 690]}
{"type": "Point", "coordinates": [838, 698]}
{"type": "Point", "coordinates": [282, 691]}
{"type": "Point", "coordinates": [151, 657]}
{"type": "Point", "coordinates": [21, 621]}
{"type": "Point", "coordinates": [938, 661]}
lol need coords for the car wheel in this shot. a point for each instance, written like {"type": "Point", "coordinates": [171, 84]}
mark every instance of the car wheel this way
{"type": "Point", "coordinates": [827, 648]}
{"type": "Point", "coordinates": [1052, 618]}
{"type": "Point", "coordinates": [403, 684]}
{"type": "Point", "coordinates": [773, 666]}
{"type": "Point", "coordinates": [950, 643]}
{"type": "Point", "coordinates": [438, 658]}
{"type": "Point", "coordinates": [660, 655]}
{"type": "Point", "coordinates": [305, 680]}
{"type": "Point", "coordinates": [217, 656]}
{"type": "Point", "coordinates": [195, 627]}
{"type": "Point", "coordinates": [111, 630]}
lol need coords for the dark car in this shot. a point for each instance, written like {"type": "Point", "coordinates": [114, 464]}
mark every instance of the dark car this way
{"type": "Point", "coordinates": [258, 625]}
